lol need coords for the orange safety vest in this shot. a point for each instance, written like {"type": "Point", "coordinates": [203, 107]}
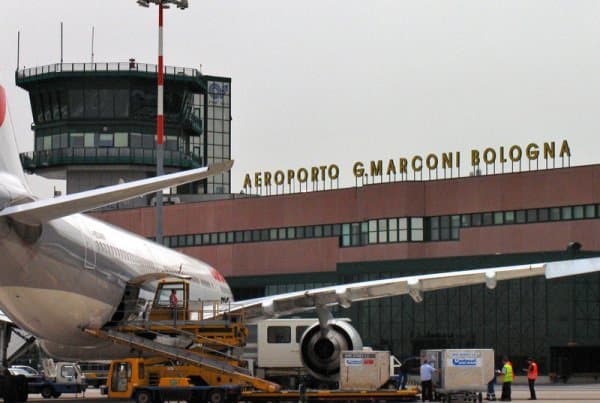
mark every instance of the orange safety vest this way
{"type": "Point", "coordinates": [532, 371]}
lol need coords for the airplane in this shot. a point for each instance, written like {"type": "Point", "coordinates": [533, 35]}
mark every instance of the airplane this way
{"type": "Point", "coordinates": [63, 271]}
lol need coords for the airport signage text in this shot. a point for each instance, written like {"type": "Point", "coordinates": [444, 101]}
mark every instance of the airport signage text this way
{"type": "Point", "coordinates": [416, 164]}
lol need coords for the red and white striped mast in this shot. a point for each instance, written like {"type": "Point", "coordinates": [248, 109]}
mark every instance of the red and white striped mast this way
{"type": "Point", "coordinates": [160, 121]}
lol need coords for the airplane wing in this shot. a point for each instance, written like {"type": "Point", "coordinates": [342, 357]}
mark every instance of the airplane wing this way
{"type": "Point", "coordinates": [39, 211]}
{"type": "Point", "coordinates": [345, 294]}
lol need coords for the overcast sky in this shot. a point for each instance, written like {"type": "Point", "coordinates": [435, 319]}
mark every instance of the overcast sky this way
{"type": "Point", "coordinates": [336, 81]}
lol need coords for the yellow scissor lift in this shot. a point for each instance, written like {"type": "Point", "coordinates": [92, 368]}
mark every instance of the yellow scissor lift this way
{"type": "Point", "coordinates": [199, 334]}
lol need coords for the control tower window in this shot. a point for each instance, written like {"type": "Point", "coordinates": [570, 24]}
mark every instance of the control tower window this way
{"type": "Point", "coordinates": [92, 106]}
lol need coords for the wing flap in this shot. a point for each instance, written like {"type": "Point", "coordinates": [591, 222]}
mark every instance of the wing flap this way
{"type": "Point", "coordinates": [40, 211]}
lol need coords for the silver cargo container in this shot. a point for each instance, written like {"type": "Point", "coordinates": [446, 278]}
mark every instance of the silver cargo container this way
{"type": "Point", "coordinates": [364, 370]}
{"type": "Point", "coordinates": [461, 370]}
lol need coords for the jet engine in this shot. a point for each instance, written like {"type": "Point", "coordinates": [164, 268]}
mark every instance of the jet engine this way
{"type": "Point", "coordinates": [321, 349]}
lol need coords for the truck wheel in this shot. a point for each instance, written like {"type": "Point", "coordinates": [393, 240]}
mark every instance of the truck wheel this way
{"type": "Point", "coordinates": [46, 392]}
{"type": "Point", "coordinates": [216, 396]}
{"type": "Point", "coordinates": [56, 395]}
{"type": "Point", "coordinates": [143, 397]}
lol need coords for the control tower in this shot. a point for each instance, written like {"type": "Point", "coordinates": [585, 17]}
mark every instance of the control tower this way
{"type": "Point", "coordinates": [95, 125]}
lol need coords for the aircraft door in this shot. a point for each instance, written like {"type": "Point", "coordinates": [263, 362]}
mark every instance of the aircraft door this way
{"type": "Point", "coordinates": [90, 247]}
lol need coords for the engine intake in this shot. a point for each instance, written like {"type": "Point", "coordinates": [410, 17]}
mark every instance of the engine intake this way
{"type": "Point", "coordinates": [321, 351]}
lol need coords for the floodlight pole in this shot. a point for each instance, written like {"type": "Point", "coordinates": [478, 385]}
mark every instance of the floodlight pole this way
{"type": "Point", "coordinates": [160, 122]}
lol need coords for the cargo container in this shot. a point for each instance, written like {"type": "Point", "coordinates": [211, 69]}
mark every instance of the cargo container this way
{"type": "Point", "coordinates": [465, 372]}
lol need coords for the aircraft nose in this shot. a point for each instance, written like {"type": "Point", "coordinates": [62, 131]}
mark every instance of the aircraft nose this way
{"type": "Point", "coordinates": [2, 105]}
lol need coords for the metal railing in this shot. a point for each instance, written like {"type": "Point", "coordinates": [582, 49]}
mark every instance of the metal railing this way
{"type": "Point", "coordinates": [104, 67]}
{"type": "Point", "coordinates": [106, 155]}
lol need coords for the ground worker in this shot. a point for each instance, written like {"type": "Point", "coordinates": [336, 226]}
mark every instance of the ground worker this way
{"type": "Point", "coordinates": [508, 377]}
{"type": "Point", "coordinates": [532, 373]}
{"type": "Point", "coordinates": [173, 302]}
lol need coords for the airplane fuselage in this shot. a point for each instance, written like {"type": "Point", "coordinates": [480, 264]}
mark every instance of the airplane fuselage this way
{"type": "Point", "coordinates": [75, 274]}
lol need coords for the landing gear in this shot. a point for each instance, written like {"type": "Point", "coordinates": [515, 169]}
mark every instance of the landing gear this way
{"type": "Point", "coordinates": [13, 389]}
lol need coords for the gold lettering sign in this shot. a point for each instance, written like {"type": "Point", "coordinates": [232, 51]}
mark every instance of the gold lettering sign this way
{"type": "Point", "coordinates": [415, 163]}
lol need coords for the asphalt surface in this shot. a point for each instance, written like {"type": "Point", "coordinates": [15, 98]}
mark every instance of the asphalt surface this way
{"type": "Point", "coordinates": [545, 393]}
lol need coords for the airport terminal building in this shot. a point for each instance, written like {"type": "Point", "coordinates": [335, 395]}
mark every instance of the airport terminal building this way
{"type": "Point", "coordinates": [294, 229]}
{"type": "Point", "coordinates": [288, 242]}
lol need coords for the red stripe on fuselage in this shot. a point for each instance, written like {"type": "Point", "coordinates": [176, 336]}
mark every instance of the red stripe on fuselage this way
{"type": "Point", "coordinates": [2, 105]}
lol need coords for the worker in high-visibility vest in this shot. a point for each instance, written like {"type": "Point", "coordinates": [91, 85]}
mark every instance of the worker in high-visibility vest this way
{"type": "Point", "coordinates": [532, 374]}
{"type": "Point", "coordinates": [508, 377]}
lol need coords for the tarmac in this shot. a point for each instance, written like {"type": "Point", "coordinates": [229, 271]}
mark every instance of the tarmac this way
{"type": "Point", "coordinates": [588, 392]}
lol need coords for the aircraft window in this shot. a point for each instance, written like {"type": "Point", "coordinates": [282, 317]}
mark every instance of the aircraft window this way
{"type": "Point", "coordinates": [299, 332]}
{"type": "Point", "coordinates": [279, 334]}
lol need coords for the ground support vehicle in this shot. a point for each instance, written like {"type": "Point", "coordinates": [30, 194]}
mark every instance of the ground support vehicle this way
{"type": "Point", "coordinates": [59, 378]}
{"type": "Point", "coordinates": [154, 380]}
{"type": "Point", "coordinates": [199, 336]}
{"type": "Point", "coordinates": [463, 373]}
{"type": "Point", "coordinates": [95, 373]}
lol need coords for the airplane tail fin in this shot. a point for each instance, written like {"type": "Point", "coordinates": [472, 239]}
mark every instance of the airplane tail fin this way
{"type": "Point", "coordinates": [9, 154]}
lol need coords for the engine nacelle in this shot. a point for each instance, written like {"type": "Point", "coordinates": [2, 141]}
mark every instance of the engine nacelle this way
{"type": "Point", "coordinates": [320, 352]}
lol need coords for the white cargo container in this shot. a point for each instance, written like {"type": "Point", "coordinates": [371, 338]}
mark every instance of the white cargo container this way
{"type": "Point", "coordinates": [364, 369]}
{"type": "Point", "coordinates": [461, 370]}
